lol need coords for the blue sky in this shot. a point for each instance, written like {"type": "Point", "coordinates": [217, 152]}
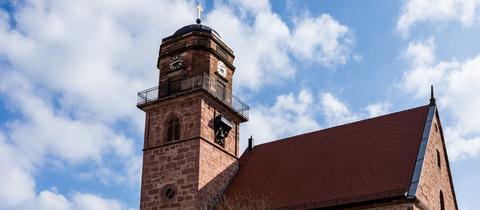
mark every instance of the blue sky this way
{"type": "Point", "coordinates": [71, 136]}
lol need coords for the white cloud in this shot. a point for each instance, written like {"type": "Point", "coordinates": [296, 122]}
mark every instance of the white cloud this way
{"type": "Point", "coordinates": [357, 57]}
{"type": "Point", "coordinates": [50, 200]}
{"type": "Point", "coordinates": [17, 184]}
{"type": "Point", "coordinates": [251, 6]}
{"type": "Point", "coordinates": [92, 202]}
{"type": "Point", "coordinates": [69, 74]}
{"type": "Point", "coordinates": [335, 111]}
{"type": "Point", "coordinates": [18, 187]}
{"type": "Point", "coordinates": [323, 40]}
{"type": "Point", "coordinates": [44, 134]}
{"type": "Point", "coordinates": [260, 48]}
{"type": "Point", "coordinates": [93, 56]}
{"type": "Point", "coordinates": [461, 146]}
{"type": "Point", "coordinates": [72, 70]}
{"type": "Point", "coordinates": [54, 132]}
{"type": "Point", "coordinates": [265, 45]}
{"type": "Point", "coordinates": [425, 70]}
{"type": "Point", "coordinates": [421, 53]}
{"type": "Point", "coordinates": [415, 11]}
{"type": "Point", "coordinates": [378, 109]}
{"type": "Point", "coordinates": [289, 115]}
{"type": "Point", "coordinates": [456, 85]}
{"type": "Point", "coordinates": [294, 114]}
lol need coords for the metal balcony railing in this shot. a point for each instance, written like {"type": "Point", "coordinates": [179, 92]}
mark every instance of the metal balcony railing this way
{"type": "Point", "coordinates": [212, 86]}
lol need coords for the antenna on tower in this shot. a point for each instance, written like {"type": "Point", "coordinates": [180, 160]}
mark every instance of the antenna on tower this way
{"type": "Point", "coordinates": [432, 97]}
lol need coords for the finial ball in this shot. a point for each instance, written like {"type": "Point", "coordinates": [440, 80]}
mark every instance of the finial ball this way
{"type": "Point", "coordinates": [199, 21]}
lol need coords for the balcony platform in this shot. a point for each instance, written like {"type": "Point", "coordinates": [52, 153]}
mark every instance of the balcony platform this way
{"type": "Point", "coordinates": [204, 82]}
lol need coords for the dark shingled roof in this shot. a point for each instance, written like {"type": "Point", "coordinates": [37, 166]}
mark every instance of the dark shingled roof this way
{"type": "Point", "coordinates": [362, 161]}
{"type": "Point", "coordinates": [190, 28]}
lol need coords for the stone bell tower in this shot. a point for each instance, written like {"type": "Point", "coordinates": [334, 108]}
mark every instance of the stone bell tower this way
{"type": "Point", "coordinates": [191, 143]}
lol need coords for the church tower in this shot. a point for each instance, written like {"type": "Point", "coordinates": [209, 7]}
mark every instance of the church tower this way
{"type": "Point", "coordinates": [191, 143]}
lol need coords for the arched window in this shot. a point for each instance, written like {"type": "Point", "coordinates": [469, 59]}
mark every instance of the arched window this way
{"type": "Point", "coordinates": [442, 201]}
{"type": "Point", "coordinates": [173, 129]}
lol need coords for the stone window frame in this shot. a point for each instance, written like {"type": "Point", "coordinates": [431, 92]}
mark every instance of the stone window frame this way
{"type": "Point", "coordinates": [173, 128]}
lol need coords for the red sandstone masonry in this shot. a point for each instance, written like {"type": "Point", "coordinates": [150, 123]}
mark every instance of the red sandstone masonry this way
{"type": "Point", "coordinates": [212, 108]}
{"type": "Point", "coordinates": [433, 179]}
{"type": "Point", "coordinates": [175, 165]}
{"type": "Point", "coordinates": [216, 170]}
{"type": "Point", "coordinates": [217, 164]}
{"type": "Point", "coordinates": [197, 168]}
{"type": "Point", "coordinates": [186, 108]}
{"type": "Point", "coordinates": [195, 61]}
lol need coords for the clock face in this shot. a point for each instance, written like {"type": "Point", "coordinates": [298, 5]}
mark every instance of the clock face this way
{"type": "Point", "coordinates": [221, 69]}
{"type": "Point", "coordinates": [176, 62]}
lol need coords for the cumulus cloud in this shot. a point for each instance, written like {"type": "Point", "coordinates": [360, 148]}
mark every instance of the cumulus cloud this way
{"type": "Point", "coordinates": [290, 114]}
{"type": "Point", "coordinates": [92, 202]}
{"type": "Point", "coordinates": [421, 54]}
{"type": "Point", "coordinates": [323, 40]}
{"type": "Point", "coordinates": [416, 11]}
{"type": "Point", "coordinates": [43, 134]}
{"type": "Point", "coordinates": [55, 133]}
{"type": "Point", "coordinates": [377, 109]}
{"type": "Point", "coordinates": [425, 70]}
{"type": "Point", "coordinates": [265, 44]}
{"type": "Point", "coordinates": [18, 187]}
{"type": "Point", "coordinates": [260, 47]}
{"type": "Point", "coordinates": [92, 55]}
{"type": "Point", "coordinates": [70, 71]}
{"type": "Point", "coordinates": [460, 145]}
{"type": "Point", "coordinates": [335, 111]}
{"type": "Point", "coordinates": [301, 112]}
{"type": "Point", "coordinates": [50, 200]}
{"type": "Point", "coordinates": [15, 179]}
{"type": "Point", "coordinates": [456, 85]}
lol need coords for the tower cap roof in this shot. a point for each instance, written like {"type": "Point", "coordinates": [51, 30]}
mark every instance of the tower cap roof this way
{"type": "Point", "coordinates": [191, 28]}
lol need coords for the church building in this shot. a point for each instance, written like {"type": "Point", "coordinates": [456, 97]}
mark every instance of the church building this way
{"type": "Point", "coordinates": [191, 146]}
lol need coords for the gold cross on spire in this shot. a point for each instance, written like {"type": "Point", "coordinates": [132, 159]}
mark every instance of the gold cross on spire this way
{"type": "Point", "coordinates": [200, 10]}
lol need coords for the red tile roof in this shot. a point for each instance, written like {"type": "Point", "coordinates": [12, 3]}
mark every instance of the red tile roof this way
{"type": "Point", "coordinates": [360, 161]}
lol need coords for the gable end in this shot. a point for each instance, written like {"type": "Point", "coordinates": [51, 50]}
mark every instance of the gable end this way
{"type": "Point", "coordinates": [432, 183]}
{"type": "Point", "coordinates": [421, 154]}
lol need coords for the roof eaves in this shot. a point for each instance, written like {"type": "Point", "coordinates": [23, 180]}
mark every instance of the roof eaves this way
{"type": "Point", "coordinates": [421, 154]}
{"type": "Point", "coordinates": [346, 201]}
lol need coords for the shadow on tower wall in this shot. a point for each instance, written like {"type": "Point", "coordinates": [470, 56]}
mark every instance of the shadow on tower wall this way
{"type": "Point", "coordinates": [214, 194]}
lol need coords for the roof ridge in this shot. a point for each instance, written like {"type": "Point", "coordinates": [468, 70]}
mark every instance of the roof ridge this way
{"type": "Point", "coordinates": [339, 126]}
